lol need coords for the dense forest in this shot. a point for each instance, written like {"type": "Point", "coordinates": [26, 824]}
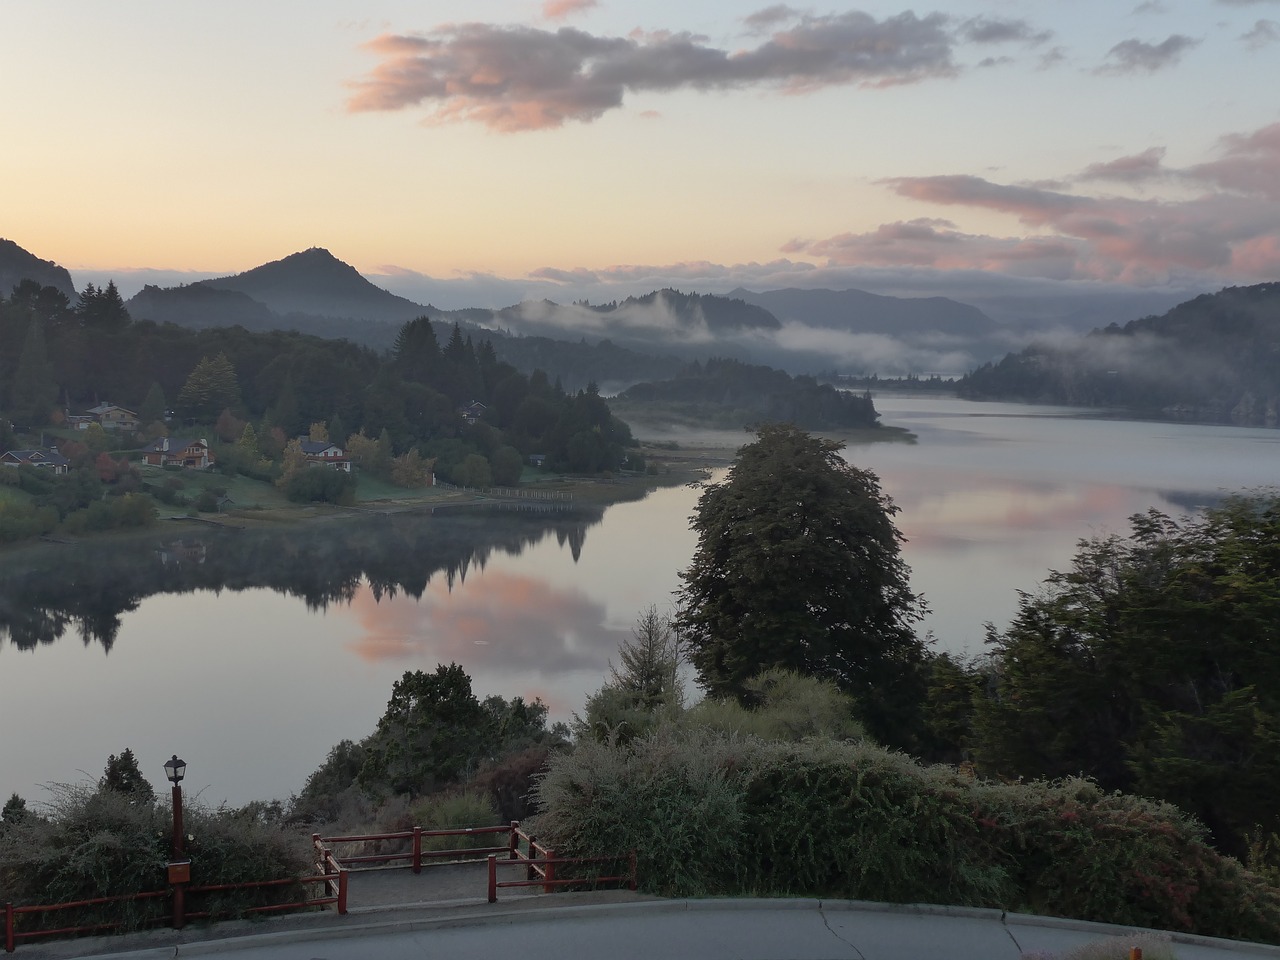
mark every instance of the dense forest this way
{"type": "Point", "coordinates": [1215, 358]}
{"type": "Point", "coordinates": [741, 393]}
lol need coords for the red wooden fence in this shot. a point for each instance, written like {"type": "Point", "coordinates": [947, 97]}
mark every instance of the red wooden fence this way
{"type": "Point", "coordinates": [332, 874]}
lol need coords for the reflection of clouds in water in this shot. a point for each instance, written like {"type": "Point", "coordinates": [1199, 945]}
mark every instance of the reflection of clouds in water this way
{"type": "Point", "coordinates": [996, 511]}
{"type": "Point", "coordinates": [500, 623]}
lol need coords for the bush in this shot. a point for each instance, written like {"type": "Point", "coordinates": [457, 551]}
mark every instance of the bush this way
{"type": "Point", "coordinates": [94, 842]}
{"type": "Point", "coordinates": [710, 814]}
{"type": "Point", "coordinates": [456, 809]}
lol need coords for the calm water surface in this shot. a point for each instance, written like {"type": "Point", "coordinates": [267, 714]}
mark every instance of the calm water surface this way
{"type": "Point", "coordinates": [252, 686]}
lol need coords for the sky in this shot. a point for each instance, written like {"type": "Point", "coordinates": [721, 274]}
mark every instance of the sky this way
{"type": "Point", "coordinates": [486, 151]}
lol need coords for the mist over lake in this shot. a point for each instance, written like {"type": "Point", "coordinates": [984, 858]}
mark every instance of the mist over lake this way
{"type": "Point", "coordinates": [217, 657]}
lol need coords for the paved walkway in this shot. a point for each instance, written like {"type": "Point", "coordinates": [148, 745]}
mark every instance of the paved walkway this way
{"type": "Point", "coordinates": [395, 915]}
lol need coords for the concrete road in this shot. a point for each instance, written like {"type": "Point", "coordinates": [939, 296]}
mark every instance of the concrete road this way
{"type": "Point", "coordinates": [691, 930]}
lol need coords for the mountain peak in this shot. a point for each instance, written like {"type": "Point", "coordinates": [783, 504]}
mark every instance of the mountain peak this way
{"type": "Point", "coordinates": [314, 281]}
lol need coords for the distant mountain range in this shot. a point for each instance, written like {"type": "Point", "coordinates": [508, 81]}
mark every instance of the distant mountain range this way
{"type": "Point", "coordinates": [1214, 358]}
{"type": "Point", "coordinates": [647, 337]}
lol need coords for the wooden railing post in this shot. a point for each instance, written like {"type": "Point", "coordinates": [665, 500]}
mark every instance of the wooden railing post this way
{"type": "Point", "coordinates": [417, 849]}
{"type": "Point", "coordinates": [8, 928]}
{"type": "Point", "coordinates": [493, 878]}
{"type": "Point", "coordinates": [342, 892]}
{"type": "Point", "coordinates": [550, 873]}
{"type": "Point", "coordinates": [513, 841]}
{"type": "Point", "coordinates": [533, 855]}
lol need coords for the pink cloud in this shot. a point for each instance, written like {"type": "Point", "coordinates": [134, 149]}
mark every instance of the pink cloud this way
{"type": "Point", "coordinates": [513, 78]}
{"type": "Point", "coordinates": [1230, 231]}
{"type": "Point", "coordinates": [561, 9]}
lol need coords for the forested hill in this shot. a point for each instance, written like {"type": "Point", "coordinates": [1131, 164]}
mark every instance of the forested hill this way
{"type": "Point", "coordinates": [16, 265]}
{"type": "Point", "coordinates": [1215, 358]}
{"type": "Point", "coordinates": [729, 390]}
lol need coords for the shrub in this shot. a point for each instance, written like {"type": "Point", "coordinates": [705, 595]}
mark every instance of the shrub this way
{"type": "Point", "coordinates": [95, 842]}
{"type": "Point", "coordinates": [456, 809]}
{"type": "Point", "coordinates": [711, 814]}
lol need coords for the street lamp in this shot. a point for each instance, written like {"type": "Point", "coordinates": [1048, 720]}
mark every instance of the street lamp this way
{"type": "Point", "coordinates": [179, 867]}
{"type": "Point", "coordinates": [175, 770]}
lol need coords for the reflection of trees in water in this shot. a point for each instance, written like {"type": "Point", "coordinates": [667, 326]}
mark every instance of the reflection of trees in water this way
{"type": "Point", "coordinates": [50, 590]}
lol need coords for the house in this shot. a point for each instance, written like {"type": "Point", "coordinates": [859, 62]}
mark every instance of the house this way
{"type": "Point", "coordinates": [113, 417]}
{"type": "Point", "coordinates": [39, 458]}
{"type": "Point", "coordinates": [537, 459]}
{"type": "Point", "coordinates": [472, 412]}
{"type": "Point", "coordinates": [326, 453]}
{"type": "Point", "coordinates": [172, 452]}
{"type": "Point", "coordinates": [80, 421]}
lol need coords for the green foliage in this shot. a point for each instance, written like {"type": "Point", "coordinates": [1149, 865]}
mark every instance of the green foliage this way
{"type": "Point", "coordinates": [798, 566]}
{"type": "Point", "coordinates": [14, 811]}
{"type": "Point", "coordinates": [129, 511]}
{"type": "Point", "coordinates": [756, 393]}
{"type": "Point", "coordinates": [1151, 665]}
{"type": "Point", "coordinates": [716, 815]}
{"type": "Point", "coordinates": [507, 465]}
{"type": "Point", "coordinates": [154, 406]}
{"type": "Point", "coordinates": [319, 484]}
{"type": "Point", "coordinates": [35, 391]}
{"type": "Point", "coordinates": [456, 809]}
{"type": "Point", "coordinates": [427, 738]}
{"type": "Point", "coordinates": [106, 842]}
{"type": "Point", "coordinates": [473, 471]}
{"type": "Point", "coordinates": [123, 776]}
{"type": "Point", "coordinates": [211, 388]}
{"type": "Point", "coordinates": [787, 706]}
{"type": "Point", "coordinates": [644, 690]}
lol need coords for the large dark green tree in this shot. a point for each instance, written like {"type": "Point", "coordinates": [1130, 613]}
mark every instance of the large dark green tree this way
{"type": "Point", "coordinates": [428, 735]}
{"type": "Point", "coordinates": [1153, 665]}
{"type": "Point", "coordinates": [798, 566]}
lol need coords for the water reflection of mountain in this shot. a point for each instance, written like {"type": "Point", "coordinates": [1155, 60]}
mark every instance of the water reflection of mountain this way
{"type": "Point", "coordinates": [50, 590]}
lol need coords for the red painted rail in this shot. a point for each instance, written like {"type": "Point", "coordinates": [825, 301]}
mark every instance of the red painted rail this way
{"type": "Point", "coordinates": [547, 878]}
{"type": "Point", "coordinates": [335, 886]}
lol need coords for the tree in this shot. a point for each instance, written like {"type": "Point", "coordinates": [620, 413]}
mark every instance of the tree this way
{"type": "Point", "coordinates": [211, 387]}
{"type": "Point", "coordinates": [154, 407]}
{"type": "Point", "coordinates": [34, 389]}
{"type": "Point", "coordinates": [643, 689]}
{"type": "Point", "coordinates": [1151, 666]}
{"type": "Point", "coordinates": [123, 776]}
{"type": "Point", "coordinates": [432, 731]}
{"type": "Point", "coordinates": [14, 811]}
{"type": "Point", "coordinates": [798, 566]}
{"type": "Point", "coordinates": [104, 308]}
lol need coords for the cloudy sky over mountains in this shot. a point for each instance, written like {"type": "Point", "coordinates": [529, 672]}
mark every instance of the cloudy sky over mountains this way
{"type": "Point", "coordinates": [484, 151]}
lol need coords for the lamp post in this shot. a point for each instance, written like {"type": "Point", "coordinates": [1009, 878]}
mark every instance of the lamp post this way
{"type": "Point", "coordinates": [175, 770]}
{"type": "Point", "coordinates": [179, 866]}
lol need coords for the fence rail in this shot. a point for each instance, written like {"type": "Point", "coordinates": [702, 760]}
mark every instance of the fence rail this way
{"type": "Point", "coordinates": [335, 892]}
{"type": "Point", "coordinates": [540, 864]}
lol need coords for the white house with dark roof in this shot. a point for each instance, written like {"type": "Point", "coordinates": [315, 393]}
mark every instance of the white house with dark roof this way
{"type": "Point", "coordinates": [326, 453]}
{"type": "Point", "coordinates": [40, 458]}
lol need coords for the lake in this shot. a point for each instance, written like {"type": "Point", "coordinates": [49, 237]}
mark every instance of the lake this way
{"type": "Point", "coordinates": [250, 656]}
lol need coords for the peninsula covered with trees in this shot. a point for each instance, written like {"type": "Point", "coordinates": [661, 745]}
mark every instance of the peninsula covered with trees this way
{"type": "Point", "coordinates": [426, 408]}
